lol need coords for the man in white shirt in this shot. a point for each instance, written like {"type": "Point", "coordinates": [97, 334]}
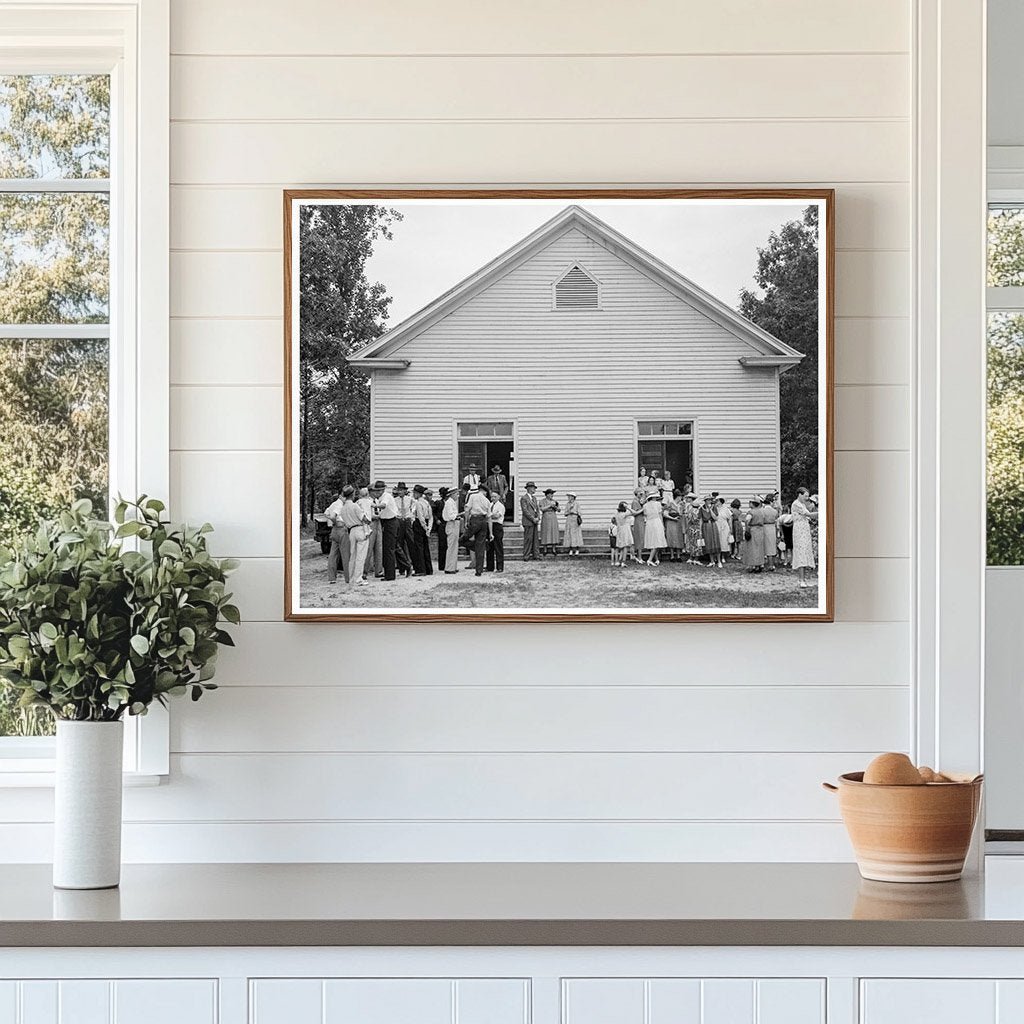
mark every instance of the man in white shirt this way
{"type": "Point", "coordinates": [496, 535]}
{"type": "Point", "coordinates": [385, 511]}
{"type": "Point", "coordinates": [472, 477]}
{"type": "Point", "coordinates": [452, 521]}
{"type": "Point", "coordinates": [477, 512]}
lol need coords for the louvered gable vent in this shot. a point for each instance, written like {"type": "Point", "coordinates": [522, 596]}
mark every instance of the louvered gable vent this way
{"type": "Point", "coordinates": [576, 290]}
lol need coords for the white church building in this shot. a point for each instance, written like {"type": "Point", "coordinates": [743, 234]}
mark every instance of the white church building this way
{"type": "Point", "coordinates": [573, 359]}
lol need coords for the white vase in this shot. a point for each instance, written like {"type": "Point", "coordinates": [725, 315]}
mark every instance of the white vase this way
{"type": "Point", "coordinates": [87, 806]}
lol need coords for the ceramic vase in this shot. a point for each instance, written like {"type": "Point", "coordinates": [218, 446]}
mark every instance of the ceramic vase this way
{"type": "Point", "coordinates": [87, 806]}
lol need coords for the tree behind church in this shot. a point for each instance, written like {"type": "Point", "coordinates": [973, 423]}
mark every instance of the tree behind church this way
{"type": "Point", "coordinates": [340, 311]}
{"type": "Point", "coordinates": [787, 275]}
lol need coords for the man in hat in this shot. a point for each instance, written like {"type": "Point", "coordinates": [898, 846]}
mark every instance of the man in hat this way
{"type": "Point", "coordinates": [497, 484]}
{"type": "Point", "coordinates": [422, 525]}
{"type": "Point", "coordinates": [478, 510]}
{"type": "Point", "coordinates": [452, 519]}
{"type": "Point", "coordinates": [404, 539]}
{"type": "Point", "coordinates": [437, 507]}
{"type": "Point", "coordinates": [386, 513]}
{"type": "Point", "coordinates": [472, 477]}
{"type": "Point", "coordinates": [496, 534]}
{"type": "Point", "coordinates": [529, 507]}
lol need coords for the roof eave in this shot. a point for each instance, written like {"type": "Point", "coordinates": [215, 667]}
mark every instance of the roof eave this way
{"type": "Point", "coordinates": [369, 363]}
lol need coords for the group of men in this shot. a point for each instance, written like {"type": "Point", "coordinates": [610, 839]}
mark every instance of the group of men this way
{"type": "Point", "coordinates": [386, 532]}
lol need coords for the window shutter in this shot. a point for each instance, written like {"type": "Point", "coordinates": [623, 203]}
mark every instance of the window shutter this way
{"type": "Point", "coordinates": [576, 290]}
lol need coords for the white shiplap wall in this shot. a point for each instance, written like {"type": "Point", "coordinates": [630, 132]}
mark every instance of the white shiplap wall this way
{"type": "Point", "coordinates": [557, 742]}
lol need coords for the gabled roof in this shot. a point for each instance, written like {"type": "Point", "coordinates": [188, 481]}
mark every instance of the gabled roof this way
{"type": "Point", "coordinates": [767, 349]}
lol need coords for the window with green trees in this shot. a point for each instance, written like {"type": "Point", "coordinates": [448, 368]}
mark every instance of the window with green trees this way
{"type": "Point", "coordinates": [54, 306]}
{"type": "Point", "coordinates": [1006, 385]}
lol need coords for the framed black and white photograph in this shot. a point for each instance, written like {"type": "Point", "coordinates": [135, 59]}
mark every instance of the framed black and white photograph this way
{"type": "Point", "coordinates": [568, 405]}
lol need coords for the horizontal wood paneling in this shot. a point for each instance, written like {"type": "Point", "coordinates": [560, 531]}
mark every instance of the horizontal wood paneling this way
{"type": "Point", "coordinates": [241, 493]}
{"type": "Point", "coordinates": [453, 786]}
{"type": "Point", "coordinates": [867, 589]}
{"type": "Point", "coordinates": [332, 841]}
{"type": "Point", "coordinates": [215, 352]}
{"type": "Point", "coordinates": [871, 350]}
{"type": "Point", "coordinates": [870, 216]}
{"type": "Point", "coordinates": [534, 26]}
{"type": "Point", "coordinates": [873, 504]}
{"type": "Point", "coordinates": [872, 418]}
{"type": "Point", "coordinates": [281, 654]}
{"type": "Point", "coordinates": [803, 93]}
{"type": "Point", "coordinates": [539, 88]}
{"type": "Point", "coordinates": [572, 152]}
{"type": "Point", "coordinates": [215, 418]}
{"type": "Point", "coordinates": [714, 717]}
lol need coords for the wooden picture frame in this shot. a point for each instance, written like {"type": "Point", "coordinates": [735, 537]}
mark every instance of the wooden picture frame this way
{"type": "Point", "coordinates": [296, 541]}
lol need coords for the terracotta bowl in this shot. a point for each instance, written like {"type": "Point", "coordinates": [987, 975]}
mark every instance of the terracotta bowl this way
{"type": "Point", "coordinates": [909, 833]}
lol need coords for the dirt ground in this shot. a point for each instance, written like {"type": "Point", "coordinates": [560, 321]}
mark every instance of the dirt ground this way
{"type": "Point", "coordinates": [560, 583]}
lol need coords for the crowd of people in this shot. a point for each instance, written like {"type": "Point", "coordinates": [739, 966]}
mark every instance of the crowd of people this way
{"type": "Point", "coordinates": [386, 533]}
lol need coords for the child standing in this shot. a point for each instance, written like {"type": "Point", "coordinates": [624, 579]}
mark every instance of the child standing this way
{"type": "Point", "coordinates": [622, 522]}
{"type": "Point", "coordinates": [613, 550]}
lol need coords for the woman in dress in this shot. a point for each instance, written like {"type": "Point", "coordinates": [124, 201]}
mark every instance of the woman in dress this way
{"type": "Point", "coordinates": [724, 525]}
{"type": "Point", "coordinates": [753, 536]}
{"type": "Point", "coordinates": [736, 511]}
{"type": "Point", "coordinates": [692, 536]}
{"type": "Point", "coordinates": [637, 508]}
{"type": "Point", "coordinates": [573, 537]}
{"type": "Point", "coordinates": [709, 531]}
{"type": "Point", "coordinates": [623, 523]}
{"type": "Point", "coordinates": [549, 509]}
{"type": "Point", "coordinates": [771, 531]}
{"type": "Point", "coordinates": [674, 526]}
{"type": "Point", "coordinates": [654, 528]}
{"type": "Point", "coordinates": [803, 544]}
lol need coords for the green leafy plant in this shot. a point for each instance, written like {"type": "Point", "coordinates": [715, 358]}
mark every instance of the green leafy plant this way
{"type": "Point", "coordinates": [92, 629]}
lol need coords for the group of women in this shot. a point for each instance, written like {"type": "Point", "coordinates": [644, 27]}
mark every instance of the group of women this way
{"type": "Point", "coordinates": [706, 531]}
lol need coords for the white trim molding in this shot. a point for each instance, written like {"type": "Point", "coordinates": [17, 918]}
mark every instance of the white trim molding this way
{"type": "Point", "coordinates": [949, 286]}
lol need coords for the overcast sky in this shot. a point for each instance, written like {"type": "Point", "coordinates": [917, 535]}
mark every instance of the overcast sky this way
{"type": "Point", "coordinates": [437, 244]}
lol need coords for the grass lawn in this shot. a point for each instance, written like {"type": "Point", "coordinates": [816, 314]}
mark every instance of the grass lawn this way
{"type": "Point", "coordinates": [560, 583]}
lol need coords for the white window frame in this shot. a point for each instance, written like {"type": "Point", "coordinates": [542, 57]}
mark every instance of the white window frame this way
{"type": "Point", "coordinates": [130, 41]}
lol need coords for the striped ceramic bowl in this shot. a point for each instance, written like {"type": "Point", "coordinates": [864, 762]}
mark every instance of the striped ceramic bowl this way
{"type": "Point", "coordinates": [909, 833]}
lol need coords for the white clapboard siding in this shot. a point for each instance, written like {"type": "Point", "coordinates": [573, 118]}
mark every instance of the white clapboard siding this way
{"type": "Point", "coordinates": [546, 151]}
{"type": "Point", "coordinates": [867, 589]}
{"type": "Point", "coordinates": [716, 717]}
{"type": "Point", "coordinates": [535, 26]}
{"type": "Point", "coordinates": [857, 653]}
{"type": "Point", "coordinates": [471, 786]}
{"type": "Point", "coordinates": [538, 88]}
{"type": "Point", "coordinates": [218, 352]}
{"type": "Point", "coordinates": [872, 350]}
{"type": "Point", "coordinates": [872, 216]}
